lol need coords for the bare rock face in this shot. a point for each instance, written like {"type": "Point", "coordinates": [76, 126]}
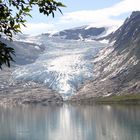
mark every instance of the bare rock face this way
{"type": "Point", "coordinates": [26, 52]}
{"type": "Point", "coordinates": [117, 68]}
{"type": "Point", "coordinates": [81, 32]}
{"type": "Point", "coordinates": [18, 92]}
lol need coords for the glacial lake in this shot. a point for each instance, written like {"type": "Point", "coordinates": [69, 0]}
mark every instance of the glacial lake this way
{"type": "Point", "coordinates": [70, 122]}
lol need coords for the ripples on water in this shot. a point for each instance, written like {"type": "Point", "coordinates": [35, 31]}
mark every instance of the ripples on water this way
{"type": "Point", "coordinates": [67, 122]}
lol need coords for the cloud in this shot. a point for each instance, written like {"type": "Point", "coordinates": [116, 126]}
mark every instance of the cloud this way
{"type": "Point", "coordinates": [101, 17]}
{"type": "Point", "coordinates": [37, 28]}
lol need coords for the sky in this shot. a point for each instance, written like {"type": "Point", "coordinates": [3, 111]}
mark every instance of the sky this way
{"type": "Point", "coordinates": [96, 13]}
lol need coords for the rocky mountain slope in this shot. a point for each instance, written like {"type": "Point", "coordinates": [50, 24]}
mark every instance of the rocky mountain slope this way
{"type": "Point", "coordinates": [117, 68]}
{"type": "Point", "coordinates": [81, 33]}
{"type": "Point", "coordinates": [26, 52]}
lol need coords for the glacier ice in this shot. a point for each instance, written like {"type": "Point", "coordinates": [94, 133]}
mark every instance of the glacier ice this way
{"type": "Point", "coordinates": [63, 66]}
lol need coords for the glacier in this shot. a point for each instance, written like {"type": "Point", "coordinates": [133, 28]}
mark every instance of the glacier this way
{"type": "Point", "coordinates": [63, 66]}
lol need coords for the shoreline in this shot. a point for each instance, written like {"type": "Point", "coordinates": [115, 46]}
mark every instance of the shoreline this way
{"type": "Point", "coordinates": [121, 99]}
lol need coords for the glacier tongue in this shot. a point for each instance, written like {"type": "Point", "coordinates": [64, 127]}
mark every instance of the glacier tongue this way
{"type": "Point", "coordinates": [63, 66]}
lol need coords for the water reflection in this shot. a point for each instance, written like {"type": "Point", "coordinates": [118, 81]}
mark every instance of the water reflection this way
{"type": "Point", "coordinates": [67, 122]}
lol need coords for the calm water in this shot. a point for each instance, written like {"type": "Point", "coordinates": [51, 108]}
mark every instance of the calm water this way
{"type": "Point", "coordinates": [85, 122]}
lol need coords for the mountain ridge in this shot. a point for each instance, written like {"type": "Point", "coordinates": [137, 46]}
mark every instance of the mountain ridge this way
{"type": "Point", "coordinates": [117, 68]}
{"type": "Point", "coordinates": [84, 32]}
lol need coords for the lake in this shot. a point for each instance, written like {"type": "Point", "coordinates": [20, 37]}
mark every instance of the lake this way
{"type": "Point", "coordinates": [70, 122]}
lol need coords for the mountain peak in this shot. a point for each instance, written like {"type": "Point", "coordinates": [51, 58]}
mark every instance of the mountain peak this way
{"type": "Point", "coordinates": [117, 68]}
{"type": "Point", "coordinates": [129, 31]}
{"type": "Point", "coordinates": [81, 33]}
{"type": "Point", "coordinates": [135, 13]}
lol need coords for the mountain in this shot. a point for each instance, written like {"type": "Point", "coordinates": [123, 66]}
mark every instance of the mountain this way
{"type": "Point", "coordinates": [46, 65]}
{"type": "Point", "coordinates": [82, 33]}
{"type": "Point", "coordinates": [47, 69]}
{"type": "Point", "coordinates": [117, 67]}
{"type": "Point", "coordinates": [26, 52]}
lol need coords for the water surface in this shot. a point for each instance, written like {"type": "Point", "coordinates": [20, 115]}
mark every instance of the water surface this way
{"type": "Point", "coordinates": [67, 122]}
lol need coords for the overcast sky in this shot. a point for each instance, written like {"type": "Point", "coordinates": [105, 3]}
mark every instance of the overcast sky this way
{"type": "Point", "coordinates": [82, 12]}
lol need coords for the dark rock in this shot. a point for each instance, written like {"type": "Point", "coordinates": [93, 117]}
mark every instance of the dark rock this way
{"type": "Point", "coordinates": [80, 33]}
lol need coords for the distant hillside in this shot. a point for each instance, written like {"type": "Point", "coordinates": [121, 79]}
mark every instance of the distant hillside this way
{"type": "Point", "coordinates": [25, 52]}
{"type": "Point", "coordinates": [80, 33]}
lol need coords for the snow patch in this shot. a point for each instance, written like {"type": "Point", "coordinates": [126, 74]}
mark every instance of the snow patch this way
{"type": "Point", "coordinates": [105, 41]}
{"type": "Point", "coordinates": [37, 47]}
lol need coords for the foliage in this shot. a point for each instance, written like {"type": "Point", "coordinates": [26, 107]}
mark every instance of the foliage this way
{"type": "Point", "coordinates": [12, 17]}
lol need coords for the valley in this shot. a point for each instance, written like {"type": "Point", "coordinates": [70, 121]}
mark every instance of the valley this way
{"type": "Point", "coordinates": [85, 67]}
